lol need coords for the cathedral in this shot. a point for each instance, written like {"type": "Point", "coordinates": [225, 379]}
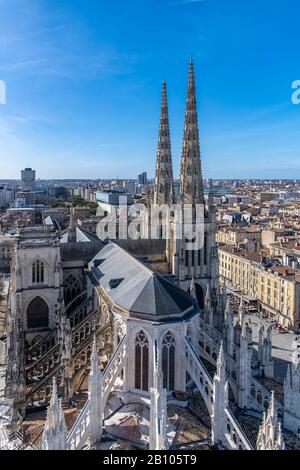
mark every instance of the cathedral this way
{"type": "Point", "coordinates": [98, 341]}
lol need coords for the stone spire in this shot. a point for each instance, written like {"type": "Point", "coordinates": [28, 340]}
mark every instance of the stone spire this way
{"type": "Point", "coordinates": [164, 189]}
{"type": "Point", "coordinates": [270, 434]}
{"type": "Point", "coordinates": [224, 297]}
{"type": "Point", "coordinates": [296, 351]}
{"type": "Point", "coordinates": [208, 307]}
{"type": "Point", "coordinates": [158, 428]}
{"type": "Point", "coordinates": [280, 445]}
{"type": "Point", "coordinates": [207, 300]}
{"type": "Point", "coordinates": [211, 197]}
{"type": "Point", "coordinates": [191, 185]}
{"type": "Point", "coordinates": [72, 227]}
{"type": "Point", "coordinates": [95, 397]}
{"type": "Point", "coordinates": [261, 335]}
{"type": "Point", "coordinates": [228, 311]}
{"type": "Point", "coordinates": [291, 416]}
{"type": "Point", "coordinates": [193, 288]}
{"type": "Point", "coordinates": [15, 371]}
{"type": "Point", "coordinates": [220, 394]}
{"type": "Point", "coordinates": [244, 370]}
{"type": "Point", "coordinates": [229, 327]}
{"type": "Point", "coordinates": [55, 431]}
{"type": "Point", "coordinates": [221, 364]}
{"type": "Point", "coordinates": [241, 312]}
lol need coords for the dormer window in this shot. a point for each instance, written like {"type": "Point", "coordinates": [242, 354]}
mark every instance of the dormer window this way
{"type": "Point", "coordinates": [114, 283]}
{"type": "Point", "coordinates": [97, 262]}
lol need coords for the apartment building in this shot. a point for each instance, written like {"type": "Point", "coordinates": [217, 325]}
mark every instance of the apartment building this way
{"type": "Point", "coordinates": [236, 235]}
{"type": "Point", "coordinates": [277, 288]}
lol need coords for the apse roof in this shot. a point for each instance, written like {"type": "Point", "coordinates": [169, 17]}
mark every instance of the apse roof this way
{"type": "Point", "coordinates": [134, 287]}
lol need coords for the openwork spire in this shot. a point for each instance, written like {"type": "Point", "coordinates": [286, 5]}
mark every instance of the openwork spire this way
{"type": "Point", "coordinates": [55, 431]}
{"type": "Point", "coordinates": [191, 185]}
{"type": "Point", "coordinates": [164, 190]}
{"type": "Point", "coordinates": [270, 432]}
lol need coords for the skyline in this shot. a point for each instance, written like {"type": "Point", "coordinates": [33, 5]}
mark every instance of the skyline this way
{"type": "Point", "coordinates": [84, 86]}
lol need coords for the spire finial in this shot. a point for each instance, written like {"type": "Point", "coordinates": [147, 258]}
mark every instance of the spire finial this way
{"type": "Point", "coordinates": [193, 288]}
{"type": "Point", "coordinates": [241, 312]}
{"type": "Point", "coordinates": [221, 363]}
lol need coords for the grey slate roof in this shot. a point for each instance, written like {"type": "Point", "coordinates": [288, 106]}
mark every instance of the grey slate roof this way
{"type": "Point", "coordinates": [82, 236]}
{"type": "Point", "coordinates": [144, 293]}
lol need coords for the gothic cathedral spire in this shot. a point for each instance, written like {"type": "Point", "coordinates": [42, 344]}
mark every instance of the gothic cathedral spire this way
{"type": "Point", "coordinates": [164, 190]}
{"type": "Point", "coordinates": [191, 186]}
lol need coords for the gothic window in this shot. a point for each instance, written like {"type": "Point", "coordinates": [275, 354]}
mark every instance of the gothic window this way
{"type": "Point", "coordinates": [72, 288]}
{"type": "Point", "coordinates": [141, 362]}
{"type": "Point", "coordinates": [38, 271]}
{"type": "Point", "coordinates": [37, 313]}
{"type": "Point", "coordinates": [168, 361]}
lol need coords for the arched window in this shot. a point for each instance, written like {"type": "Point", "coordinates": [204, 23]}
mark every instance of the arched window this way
{"type": "Point", "coordinates": [37, 313]}
{"type": "Point", "coordinates": [168, 361]}
{"type": "Point", "coordinates": [141, 362]}
{"type": "Point", "coordinates": [38, 272]}
{"type": "Point", "coordinates": [72, 288]}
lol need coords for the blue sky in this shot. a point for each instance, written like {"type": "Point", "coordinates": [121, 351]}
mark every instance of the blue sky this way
{"type": "Point", "coordinates": [84, 81]}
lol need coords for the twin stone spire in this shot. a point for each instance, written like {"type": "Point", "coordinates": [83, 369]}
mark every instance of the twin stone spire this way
{"type": "Point", "coordinates": [164, 188]}
{"type": "Point", "coordinates": [191, 185]}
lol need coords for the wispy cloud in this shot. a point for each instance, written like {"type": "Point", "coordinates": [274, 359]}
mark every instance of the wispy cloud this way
{"type": "Point", "coordinates": [181, 2]}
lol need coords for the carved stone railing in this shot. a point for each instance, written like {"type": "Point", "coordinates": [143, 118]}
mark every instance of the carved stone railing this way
{"type": "Point", "coordinates": [79, 433]}
{"type": "Point", "coordinates": [49, 367]}
{"type": "Point", "coordinates": [14, 441]}
{"type": "Point", "coordinates": [43, 346]}
{"type": "Point", "coordinates": [235, 436]}
{"type": "Point", "coordinates": [209, 350]}
{"type": "Point", "coordinates": [83, 350]}
{"type": "Point", "coordinates": [39, 349]}
{"type": "Point", "coordinates": [81, 312]}
{"type": "Point", "coordinates": [86, 329]}
{"type": "Point", "coordinates": [199, 375]}
{"type": "Point", "coordinates": [213, 333]}
{"type": "Point", "coordinates": [259, 397]}
{"type": "Point", "coordinates": [44, 366]}
{"type": "Point", "coordinates": [41, 392]}
{"type": "Point", "coordinates": [114, 368]}
{"type": "Point", "coordinates": [83, 332]}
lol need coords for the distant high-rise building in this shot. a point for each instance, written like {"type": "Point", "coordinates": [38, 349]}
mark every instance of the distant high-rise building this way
{"type": "Point", "coordinates": [142, 178]}
{"type": "Point", "coordinates": [28, 179]}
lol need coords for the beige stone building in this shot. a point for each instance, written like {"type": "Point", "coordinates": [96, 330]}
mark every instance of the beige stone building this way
{"type": "Point", "coordinates": [271, 235]}
{"type": "Point", "coordinates": [277, 289]}
{"type": "Point", "coordinates": [234, 236]}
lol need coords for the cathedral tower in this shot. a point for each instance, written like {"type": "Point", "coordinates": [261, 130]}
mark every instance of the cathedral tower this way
{"type": "Point", "coordinates": [199, 261]}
